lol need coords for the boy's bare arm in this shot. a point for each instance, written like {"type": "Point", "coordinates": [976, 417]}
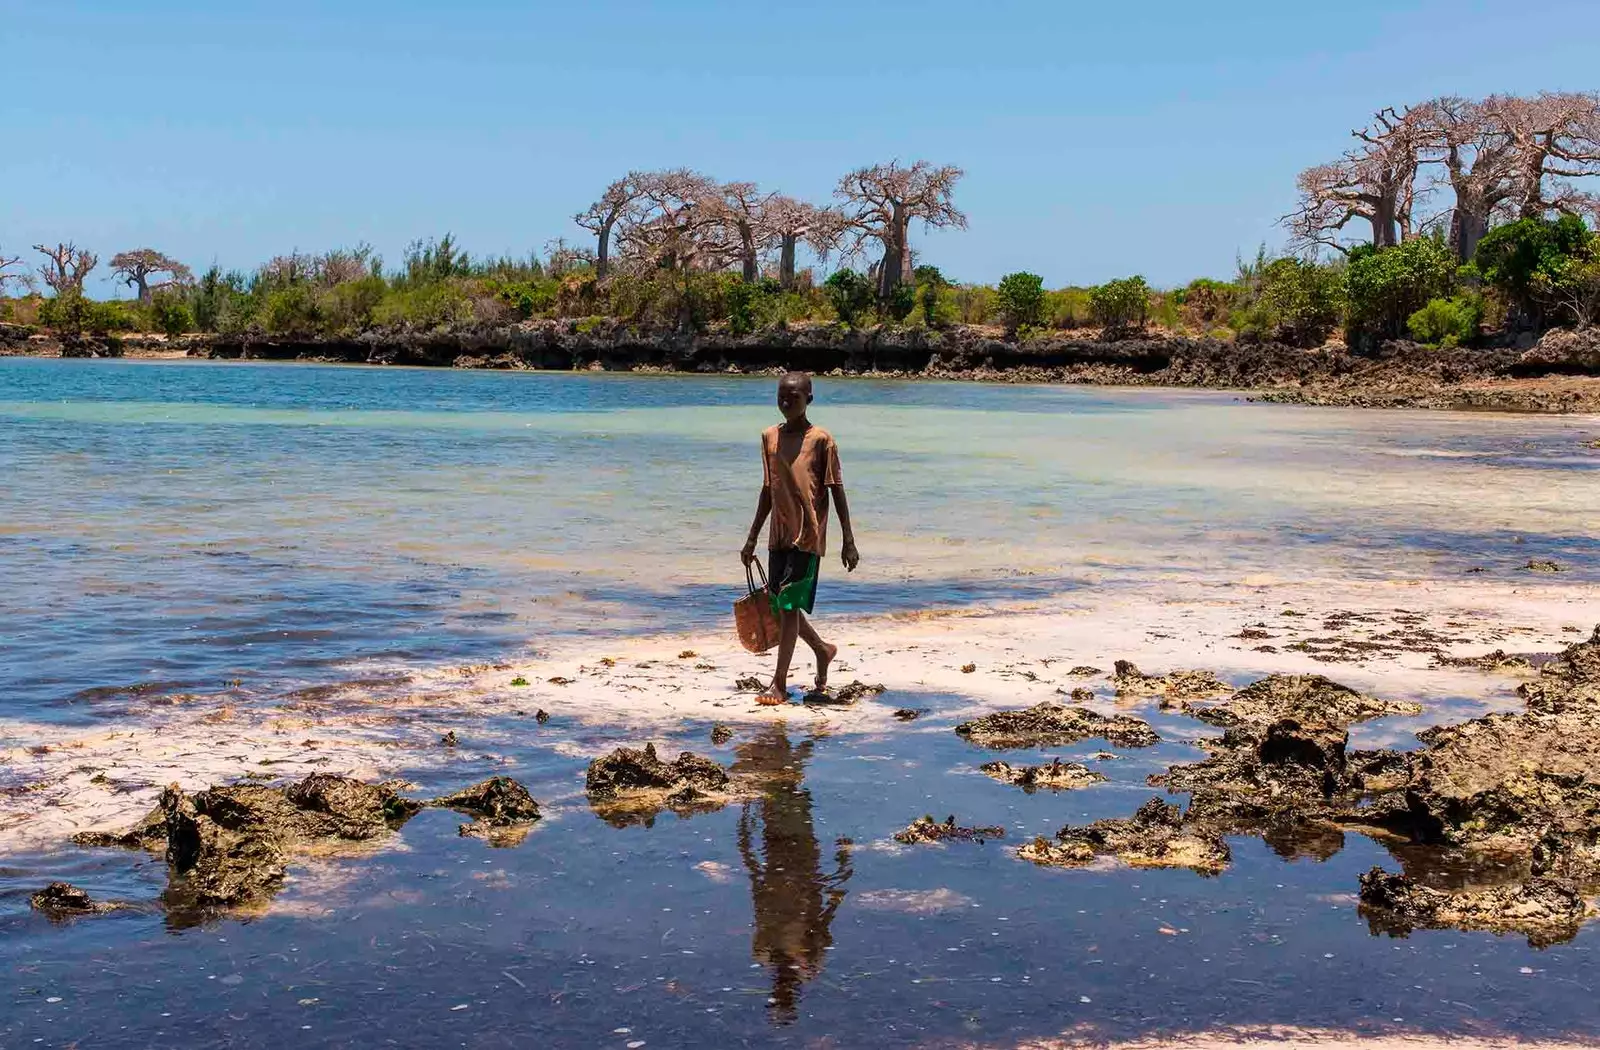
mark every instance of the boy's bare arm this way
{"type": "Point", "coordinates": [763, 508]}
{"type": "Point", "coordinates": [851, 557]}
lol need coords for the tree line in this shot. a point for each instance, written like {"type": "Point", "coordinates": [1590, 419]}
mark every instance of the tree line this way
{"type": "Point", "coordinates": [1474, 212]}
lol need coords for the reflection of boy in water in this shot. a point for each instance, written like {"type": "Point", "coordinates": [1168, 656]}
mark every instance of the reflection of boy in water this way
{"type": "Point", "coordinates": [793, 901]}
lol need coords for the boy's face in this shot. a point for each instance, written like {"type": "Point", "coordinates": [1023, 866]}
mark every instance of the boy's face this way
{"type": "Point", "coordinates": [792, 400]}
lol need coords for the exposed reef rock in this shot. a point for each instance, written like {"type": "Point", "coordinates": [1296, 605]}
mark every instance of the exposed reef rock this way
{"type": "Point", "coordinates": [231, 845]}
{"type": "Point", "coordinates": [1547, 911]}
{"type": "Point", "coordinates": [504, 810]}
{"type": "Point", "coordinates": [1055, 725]}
{"type": "Point", "coordinates": [630, 786]}
{"type": "Point", "coordinates": [1176, 685]}
{"type": "Point", "coordinates": [1056, 776]}
{"type": "Point", "coordinates": [1154, 837]}
{"type": "Point", "coordinates": [1309, 699]}
{"type": "Point", "coordinates": [61, 901]}
{"type": "Point", "coordinates": [925, 830]}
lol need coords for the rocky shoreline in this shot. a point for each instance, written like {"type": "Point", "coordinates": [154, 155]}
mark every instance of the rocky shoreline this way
{"type": "Point", "coordinates": [1558, 373]}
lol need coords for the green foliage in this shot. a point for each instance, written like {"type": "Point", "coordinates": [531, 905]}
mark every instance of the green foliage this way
{"type": "Point", "coordinates": [428, 262]}
{"type": "Point", "coordinates": [849, 293]}
{"type": "Point", "coordinates": [1123, 303]}
{"type": "Point", "coordinates": [900, 302]}
{"type": "Point", "coordinates": [171, 314]}
{"type": "Point", "coordinates": [420, 306]}
{"type": "Point", "coordinates": [1384, 288]}
{"type": "Point", "coordinates": [1529, 260]}
{"type": "Point", "coordinates": [291, 310]}
{"type": "Point", "coordinates": [67, 313]}
{"type": "Point", "coordinates": [753, 305]}
{"type": "Point", "coordinates": [1020, 297]}
{"type": "Point", "coordinates": [1447, 322]}
{"type": "Point", "coordinates": [351, 306]}
{"type": "Point", "coordinates": [973, 303]}
{"type": "Point", "coordinates": [1068, 308]}
{"type": "Point", "coordinates": [530, 298]}
{"type": "Point", "coordinates": [1294, 301]}
{"type": "Point", "coordinates": [1206, 303]}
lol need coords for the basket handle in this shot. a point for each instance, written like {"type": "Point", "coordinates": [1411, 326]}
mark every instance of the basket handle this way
{"type": "Point", "coordinates": [752, 569]}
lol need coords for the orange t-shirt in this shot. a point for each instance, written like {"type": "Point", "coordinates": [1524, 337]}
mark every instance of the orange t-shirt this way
{"type": "Point", "coordinates": [797, 470]}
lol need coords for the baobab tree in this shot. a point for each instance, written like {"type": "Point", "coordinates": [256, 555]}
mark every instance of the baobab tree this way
{"type": "Point", "coordinates": [680, 224]}
{"type": "Point", "coordinates": [1555, 137]}
{"type": "Point", "coordinates": [879, 203]}
{"type": "Point", "coordinates": [744, 211]}
{"type": "Point", "coordinates": [66, 266]}
{"type": "Point", "coordinates": [7, 262]}
{"type": "Point", "coordinates": [1480, 163]}
{"type": "Point", "coordinates": [1376, 181]}
{"type": "Point", "coordinates": [603, 215]}
{"type": "Point", "coordinates": [136, 267]}
{"type": "Point", "coordinates": [792, 221]}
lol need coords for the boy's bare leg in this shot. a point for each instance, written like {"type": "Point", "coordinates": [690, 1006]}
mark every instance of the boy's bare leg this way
{"type": "Point", "coordinates": [825, 652]}
{"type": "Point", "coordinates": [788, 630]}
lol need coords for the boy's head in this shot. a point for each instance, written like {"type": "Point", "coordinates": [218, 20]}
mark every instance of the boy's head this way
{"type": "Point", "coordinates": [794, 395]}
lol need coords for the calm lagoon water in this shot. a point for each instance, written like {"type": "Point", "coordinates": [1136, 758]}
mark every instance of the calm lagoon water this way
{"type": "Point", "coordinates": [171, 526]}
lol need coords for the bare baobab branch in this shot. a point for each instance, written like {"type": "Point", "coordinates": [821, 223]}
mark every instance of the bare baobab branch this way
{"type": "Point", "coordinates": [1376, 181]}
{"type": "Point", "coordinates": [66, 266]}
{"type": "Point", "coordinates": [603, 215]}
{"type": "Point", "coordinates": [135, 268]}
{"type": "Point", "coordinates": [879, 203]}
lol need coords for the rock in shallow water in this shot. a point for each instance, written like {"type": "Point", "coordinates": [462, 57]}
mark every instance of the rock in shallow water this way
{"type": "Point", "coordinates": [1548, 911]}
{"type": "Point", "coordinates": [63, 900]}
{"type": "Point", "coordinates": [925, 830]}
{"type": "Point", "coordinates": [1054, 776]}
{"type": "Point", "coordinates": [1055, 725]}
{"type": "Point", "coordinates": [1154, 837]}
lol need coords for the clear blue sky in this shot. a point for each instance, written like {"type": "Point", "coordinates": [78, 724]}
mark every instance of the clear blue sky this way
{"type": "Point", "coordinates": [1099, 139]}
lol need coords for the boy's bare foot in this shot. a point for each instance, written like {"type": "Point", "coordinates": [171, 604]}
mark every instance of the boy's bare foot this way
{"type": "Point", "coordinates": [772, 696]}
{"type": "Point", "coordinates": [825, 657]}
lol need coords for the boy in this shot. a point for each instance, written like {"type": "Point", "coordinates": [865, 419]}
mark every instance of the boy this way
{"type": "Point", "coordinates": [800, 469]}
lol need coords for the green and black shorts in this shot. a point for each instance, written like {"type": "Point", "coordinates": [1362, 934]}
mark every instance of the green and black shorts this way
{"type": "Point", "coordinates": [792, 578]}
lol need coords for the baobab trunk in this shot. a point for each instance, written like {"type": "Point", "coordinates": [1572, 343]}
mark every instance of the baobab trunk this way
{"type": "Point", "coordinates": [1383, 225]}
{"type": "Point", "coordinates": [896, 269]}
{"type": "Point", "coordinates": [1468, 225]}
{"type": "Point", "coordinates": [786, 261]}
{"type": "Point", "coordinates": [144, 287]}
{"type": "Point", "coordinates": [747, 248]}
{"type": "Point", "coordinates": [602, 255]}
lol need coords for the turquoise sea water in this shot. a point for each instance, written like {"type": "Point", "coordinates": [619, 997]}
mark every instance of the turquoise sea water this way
{"type": "Point", "coordinates": [171, 526]}
{"type": "Point", "coordinates": [175, 525]}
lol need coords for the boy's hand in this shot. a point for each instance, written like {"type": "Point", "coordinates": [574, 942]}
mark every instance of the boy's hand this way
{"type": "Point", "coordinates": [851, 556]}
{"type": "Point", "coordinates": [748, 554]}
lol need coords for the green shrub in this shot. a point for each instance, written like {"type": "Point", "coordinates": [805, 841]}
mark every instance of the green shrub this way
{"type": "Point", "coordinates": [433, 305]}
{"type": "Point", "coordinates": [753, 305]}
{"type": "Point", "coordinates": [528, 298]}
{"type": "Point", "coordinates": [67, 312]}
{"type": "Point", "coordinates": [900, 302]}
{"type": "Point", "coordinates": [930, 282]}
{"type": "Point", "coordinates": [1384, 288]}
{"type": "Point", "coordinates": [1290, 300]}
{"type": "Point", "coordinates": [351, 306]}
{"type": "Point", "coordinates": [292, 309]}
{"type": "Point", "coordinates": [171, 314]}
{"type": "Point", "coordinates": [849, 293]}
{"type": "Point", "coordinates": [1447, 322]}
{"type": "Point", "coordinates": [1068, 308]}
{"type": "Point", "coordinates": [1528, 260]}
{"type": "Point", "coordinates": [1020, 297]}
{"type": "Point", "coordinates": [972, 303]}
{"type": "Point", "coordinates": [1123, 303]}
{"type": "Point", "coordinates": [1205, 302]}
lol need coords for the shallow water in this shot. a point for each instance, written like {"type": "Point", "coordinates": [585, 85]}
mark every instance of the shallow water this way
{"type": "Point", "coordinates": [172, 527]}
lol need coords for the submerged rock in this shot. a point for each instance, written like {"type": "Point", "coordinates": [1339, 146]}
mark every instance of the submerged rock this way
{"type": "Point", "coordinates": [1548, 911]}
{"type": "Point", "coordinates": [1498, 661]}
{"type": "Point", "coordinates": [925, 829]}
{"type": "Point", "coordinates": [231, 845]}
{"type": "Point", "coordinates": [1154, 837]}
{"type": "Point", "coordinates": [1055, 725]}
{"type": "Point", "coordinates": [849, 694]}
{"type": "Point", "coordinates": [1056, 776]}
{"type": "Point", "coordinates": [63, 900]}
{"type": "Point", "coordinates": [503, 808]}
{"type": "Point", "coordinates": [721, 734]}
{"type": "Point", "coordinates": [631, 786]}
{"type": "Point", "coordinates": [1177, 685]}
{"type": "Point", "coordinates": [908, 714]}
{"type": "Point", "coordinates": [1309, 699]}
